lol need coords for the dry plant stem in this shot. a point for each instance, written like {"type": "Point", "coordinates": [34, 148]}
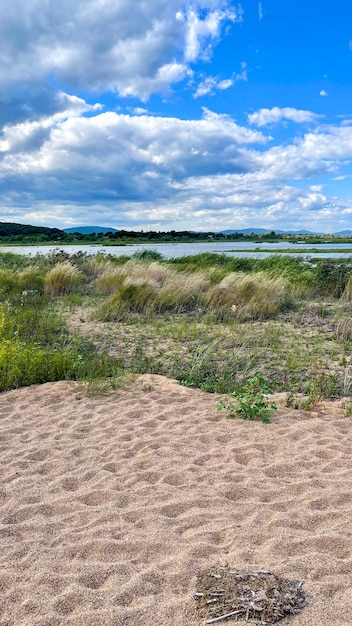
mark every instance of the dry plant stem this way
{"type": "Point", "coordinates": [222, 617]}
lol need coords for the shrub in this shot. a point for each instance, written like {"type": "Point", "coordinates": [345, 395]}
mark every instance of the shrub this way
{"type": "Point", "coordinates": [148, 255]}
{"type": "Point", "coordinates": [63, 278]}
{"type": "Point", "coordinates": [332, 277]}
{"type": "Point", "coordinates": [13, 261]}
{"type": "Point", "coordinates": [207, 260]}
{"type": "Point", "coordinates": [27, 279]}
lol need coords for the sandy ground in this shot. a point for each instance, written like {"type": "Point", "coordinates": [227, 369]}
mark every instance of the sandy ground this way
{"type": "Point", "coordinates": [109, 505]}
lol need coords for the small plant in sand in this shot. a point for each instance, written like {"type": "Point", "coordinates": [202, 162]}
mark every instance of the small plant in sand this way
{"type": "Point", "coordinates": [250, 401]}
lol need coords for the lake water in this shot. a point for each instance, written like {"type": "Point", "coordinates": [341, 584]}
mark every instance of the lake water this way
{"type": "Point", "coordinates": [176, 250]}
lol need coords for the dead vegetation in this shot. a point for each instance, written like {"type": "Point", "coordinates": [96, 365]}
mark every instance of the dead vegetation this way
{"type": "Point", "coordinates": [224, 593]}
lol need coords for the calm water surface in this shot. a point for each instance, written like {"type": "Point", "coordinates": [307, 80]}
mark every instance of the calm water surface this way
{"type": "Point", "coordinates": [176, 250]}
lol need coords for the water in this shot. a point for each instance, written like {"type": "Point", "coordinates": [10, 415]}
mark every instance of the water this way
{"type": "Point", "coordinates": [176, 250]}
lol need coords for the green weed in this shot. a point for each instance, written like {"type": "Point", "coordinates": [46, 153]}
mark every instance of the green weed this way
{"type": "Point", "coordinates": [250, 401]}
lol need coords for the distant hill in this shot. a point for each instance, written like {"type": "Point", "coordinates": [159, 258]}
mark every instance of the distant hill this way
{"type": "Point", "coordinates": [344, 232]}
{"type": "Point", "coordinates": [88, 230]}
{"type": "Point", "coordinates": [12, 229]}
{"type": "Point", "coordinates": [261, 231]}
{"type": "Point", "coordinates": [247, 231]}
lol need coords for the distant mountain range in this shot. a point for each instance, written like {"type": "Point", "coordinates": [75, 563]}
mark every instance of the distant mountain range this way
{"type": "Point", "coordinates": [261, 231]}
{"type": "Point", "coordinates": [88, 230]}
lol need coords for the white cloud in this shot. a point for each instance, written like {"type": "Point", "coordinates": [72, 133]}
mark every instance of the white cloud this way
{"type": "Point", "coordinates": [139, 111]}
{"type": "Point", "coordinates": [242, 75]}
{"type": "Point", "coordinates": [148, 171]}
{"type": "Point", "coordinates": [211, 84]}
{"type": "Point", "coordinates": [116, 156]}
{"type": "Point", "coordinates": [29, 135]}
{"type": "Point", "coordinates": [323, 93]}
{"type": "Point", "coordinates": [225, 84]}
{"type": "Point", "coordinates": [199, 30]}
{"type": "Point", "coordinates": [263, 117]}
{"type": "Point", "coordinates": [114, 44]}
{"type": "Point", "coordinates": [260, 11]}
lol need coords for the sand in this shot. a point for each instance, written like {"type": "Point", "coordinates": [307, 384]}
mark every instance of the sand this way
{"type": "Point", "coordinates": [109, 505]}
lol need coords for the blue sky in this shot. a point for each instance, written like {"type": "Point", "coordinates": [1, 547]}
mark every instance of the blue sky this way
{"type": "Point", "coordinates": [171, 114]}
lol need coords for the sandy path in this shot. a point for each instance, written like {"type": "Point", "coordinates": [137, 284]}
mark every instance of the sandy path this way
{"type": "Point", "coordinates": [109, 505]}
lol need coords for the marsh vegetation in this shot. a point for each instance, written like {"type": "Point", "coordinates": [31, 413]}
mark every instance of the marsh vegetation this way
{"type": "Point", "coordinates": [210, 321]}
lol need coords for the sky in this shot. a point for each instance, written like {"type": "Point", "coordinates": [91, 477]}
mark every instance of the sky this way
{"type": "Point", "coordinates": [174, 114]}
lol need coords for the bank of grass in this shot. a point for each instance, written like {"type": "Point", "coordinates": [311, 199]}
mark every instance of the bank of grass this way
{"type": "Point", "coordinates": [210, 321]}
{"type": "Point", "coordinates": [35, 346]}
{"type": "Point", "coordinates": [299, 251]}
{"type": "Point", "coordinates": [155, 288]}
{"type": "Point", "coordinates": [297, 353]}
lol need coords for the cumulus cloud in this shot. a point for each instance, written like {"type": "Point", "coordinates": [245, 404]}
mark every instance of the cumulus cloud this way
{"type": "Point", "coordinates": [200, 30]}
{"type": "Point", "coordinates": [263, 117]}
{"type": "Point", "coordinates": [31, 134]}
{"type": "Point", "coordinates": [156, 172]}
{"type": "Point", "coordinates": [323, 93]}
{"type": "Point", "coordinates": [114, 157]}
{"type": "Point", "coordinates": [115, 45]}
{"type": "Point", "coordinates": [260, 11]}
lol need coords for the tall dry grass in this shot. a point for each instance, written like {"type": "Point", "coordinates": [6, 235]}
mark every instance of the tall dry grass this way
{"type": "Point", "coordinates": [250, 296]}
{"type": "Point", "coordinates": [347, 294]}
{"type": "Point", "coordinates": [150, 288]}
{"type": "Point", "coordinates": [155, 288]}
{"type": "Point", "coordinates": [63, 278]}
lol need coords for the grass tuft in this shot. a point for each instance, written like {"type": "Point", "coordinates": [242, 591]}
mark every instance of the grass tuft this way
{"type": "Point", "coordinates": [251, 296]}
{"type": "Point", "coordinates": [62, 279]}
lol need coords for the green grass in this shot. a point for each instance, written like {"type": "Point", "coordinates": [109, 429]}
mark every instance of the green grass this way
{"type": "Point", "coordinates": [35, 346]}
{"type": "Point", "coordinates": [210, 321]}
{"type": "Point", "coordinates": [298, 250]}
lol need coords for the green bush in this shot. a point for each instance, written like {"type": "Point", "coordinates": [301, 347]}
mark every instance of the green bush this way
{"type": "Point", "coordinates": [332, 277]}
{"type": "Point", "coordinates": [148, 255]}
{"type": "Point", "coordinates": [13, 261]}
